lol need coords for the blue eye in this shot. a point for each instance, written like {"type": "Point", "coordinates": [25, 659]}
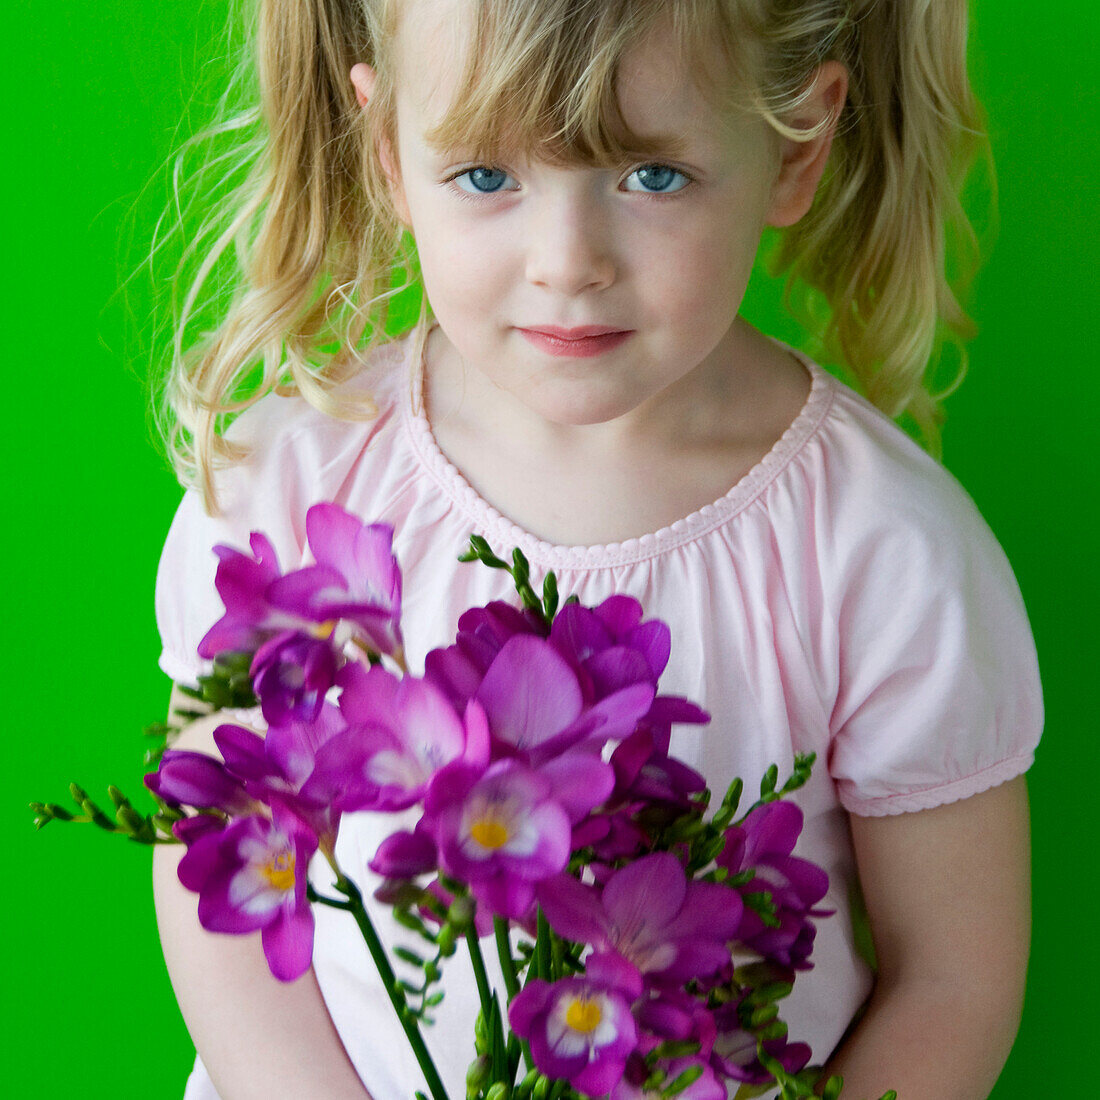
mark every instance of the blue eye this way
{"type": "Point", "coordinates": [656, 179]}
{"type": "Point", "coordinates": [485, 181]}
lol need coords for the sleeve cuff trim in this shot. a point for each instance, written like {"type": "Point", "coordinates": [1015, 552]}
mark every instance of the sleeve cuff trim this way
{"type": "Point", "coordinates": [930, 797]}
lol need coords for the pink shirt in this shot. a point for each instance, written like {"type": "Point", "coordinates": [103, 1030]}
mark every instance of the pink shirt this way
{"type": "Point", "coordinates": [844, 598]}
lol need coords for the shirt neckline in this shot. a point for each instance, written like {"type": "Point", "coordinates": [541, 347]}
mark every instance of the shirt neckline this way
{"type": "Point", "coordinates": [501, 532]}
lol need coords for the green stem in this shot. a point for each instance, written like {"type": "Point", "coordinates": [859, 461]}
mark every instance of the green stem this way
{"type": "Point", "coordinates": [511, 984]}
{"type": "Point", "coordinates": [507, 963]}
{"type": "Point", "coordinates": [389, 980]}
{"type": "Point", "coordinates": [483, 990]}
{"type": "Point", "coordinates": [542, 947]}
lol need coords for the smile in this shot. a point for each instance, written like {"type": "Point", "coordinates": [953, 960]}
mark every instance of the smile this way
{"type": "Point", "coordinates": [576, 343]}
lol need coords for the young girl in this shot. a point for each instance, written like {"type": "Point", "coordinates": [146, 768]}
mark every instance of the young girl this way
{"type": "Point", "coordinates": [582, 186]}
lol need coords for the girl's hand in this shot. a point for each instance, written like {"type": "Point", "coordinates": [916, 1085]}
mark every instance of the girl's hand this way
{"type": "Point", "coordinates": [949, 898]}
{"type": "Point", "coordinates": [257, 1037]}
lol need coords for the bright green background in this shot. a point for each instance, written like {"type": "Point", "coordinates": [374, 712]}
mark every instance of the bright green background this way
{"type": "Point", "coordinates": [93, 96]}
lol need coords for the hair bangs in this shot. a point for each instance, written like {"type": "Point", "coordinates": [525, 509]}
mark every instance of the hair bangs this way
{"type": "Point", "coordinates": [541, 81]}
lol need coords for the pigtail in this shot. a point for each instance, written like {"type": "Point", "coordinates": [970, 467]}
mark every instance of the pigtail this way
{"type": "Point", "coordinates": [297, 254]}
{"type": "Point", "coordinates": [877, 241]}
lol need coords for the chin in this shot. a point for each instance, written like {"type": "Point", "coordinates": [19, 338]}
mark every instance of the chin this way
{"type": "Point", "coordinates": [579, 411]}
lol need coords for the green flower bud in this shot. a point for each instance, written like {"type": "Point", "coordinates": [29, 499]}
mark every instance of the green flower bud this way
{"type": "Point", "coordinates": [461, 913]}
{"type": "Point", "coordinates": [477, 1076]}
{"type": "Point", "coordinates": [688, 1077]}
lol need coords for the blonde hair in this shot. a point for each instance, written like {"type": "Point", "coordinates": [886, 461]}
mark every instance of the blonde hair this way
{"type": "Point", "coordinates": [298, 263]}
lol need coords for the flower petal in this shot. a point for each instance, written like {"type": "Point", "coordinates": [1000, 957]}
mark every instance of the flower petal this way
{"type": "Point", "coordinates": [288, 944]}
{"type": "Point", "coordinates": [529, 693]}
{"type": "Point", "coordinates": [573, 909]}
{"type": "Point", "coordinates": [646, 893]}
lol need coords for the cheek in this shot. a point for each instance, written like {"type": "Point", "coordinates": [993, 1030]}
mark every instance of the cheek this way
{"type": "Point", "coordinates": [461, 262]}
{"type": "Point", "coordinates": [703, 271]}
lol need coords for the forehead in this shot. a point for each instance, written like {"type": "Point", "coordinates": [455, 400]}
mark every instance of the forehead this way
{"type": "Point", "coordinates": [654, 99]}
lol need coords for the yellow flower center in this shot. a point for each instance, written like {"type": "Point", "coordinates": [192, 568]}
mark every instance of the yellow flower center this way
{"type": "Point", "coordinates": [325, 629]}
{"type": "Point", "coordinates": [583, 1015]}
{"type": "Point", "coordinates": [489, 833]}
{"type": "Point", "coordinates": [279, 871]}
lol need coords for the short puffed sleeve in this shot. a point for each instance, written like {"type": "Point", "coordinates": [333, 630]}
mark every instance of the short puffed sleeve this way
{"type": "Point", "coordinates": [296, 456]}
{"type": "Point", "coordinates": [937, 683]}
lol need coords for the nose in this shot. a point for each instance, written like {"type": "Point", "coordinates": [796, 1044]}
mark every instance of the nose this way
{"type": "Point", "coordinates": [570, 245]}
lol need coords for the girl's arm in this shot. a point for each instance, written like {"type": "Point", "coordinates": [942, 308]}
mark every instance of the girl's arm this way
{"type": "Point", "coordinates": [949, 899]}
{"type": "Point", "coordinates": [257, 1036]}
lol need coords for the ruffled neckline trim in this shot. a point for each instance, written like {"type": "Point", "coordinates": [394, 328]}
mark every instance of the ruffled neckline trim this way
{"type": "Point", "coordinates": [502, 532]}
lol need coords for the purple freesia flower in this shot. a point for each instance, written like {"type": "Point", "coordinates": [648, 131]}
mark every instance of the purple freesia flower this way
{"type": "Point", "coordinates": [482, 631]}
{"type": "Point", "coordinates": [764, 842]}
{"type": "Point", "coordinates": [198, 779]}
{"type": "Point", "coordinates": [631, 1085]}
{"type": "Point", "coordinates": [405, 854]}
{"type": "Point", "coordinates": [611, 644]}
{"type": "Point", "coordinates": [536, 708]}
{"type": "Point", "coordinates": [611, 648]}
{"type": "Point", "coordinates": [579, 1029]}
{"type": "Point", "coordinates": [674, 1014]}
{"type": "Point", "coordinates": [253, 614]}
{"type": "Point", "coordinates": [252, 875]}
{"type": "Point", "coordinates": [406, 732]}
{"type": "Point", "coordinates": [649, 914]}
{"type": "Point", "coordinates": [281, 769]}
{"type": "Point", "coordinates": [188, 829]}
{"type": "Point", "coordinates": [500, 830]}
{"type": "Point", "coordinates": [360, 575]}
{"type": "Point", "coordinates": [734, 1054]}
{"type": "Point", "coordinates": [291, 673]}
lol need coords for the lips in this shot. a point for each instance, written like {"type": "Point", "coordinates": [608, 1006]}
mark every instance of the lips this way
{"type": "Point", "coordinates": [580, 333]}
{"type": "Point", "coordinates": [580, 342]}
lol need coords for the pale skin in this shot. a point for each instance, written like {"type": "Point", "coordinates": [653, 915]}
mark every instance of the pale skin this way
{"type": "Point", "coordinates": [947, 889]}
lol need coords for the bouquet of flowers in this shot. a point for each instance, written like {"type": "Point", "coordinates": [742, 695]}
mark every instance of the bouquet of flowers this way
{"type": "Point", "coordinates": [645, 937]}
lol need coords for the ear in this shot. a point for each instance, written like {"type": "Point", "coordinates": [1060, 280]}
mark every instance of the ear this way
{"type": "Point", "coordinates": [362, 79]}
{"type": "Point", "coordinates": [802, 163]}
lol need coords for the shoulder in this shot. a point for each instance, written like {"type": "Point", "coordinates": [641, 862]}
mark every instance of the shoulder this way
{"type": "Point", "coordinates": [295, 456]}
{"type": "Point", "coordinates": [881, 498]}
